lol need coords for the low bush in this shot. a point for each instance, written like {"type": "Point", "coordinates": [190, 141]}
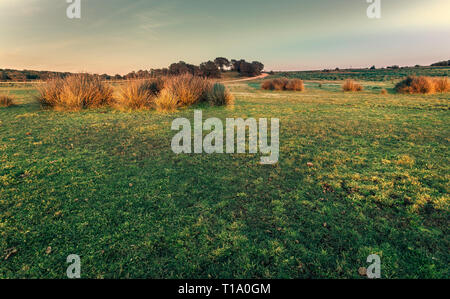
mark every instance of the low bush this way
{"type": "Point", "coordinates": [350, 85]}
{"type": "Point", "coordinates": [295, 85]}
{"type": "Point", "coordinates": [267, 85]}
{"type": "Point", "coordinates": [6, 100]}
{"type": "Point", "coordinates": [416, 85]}
{"type": "Point", "coordinates": [280, 84]}
{"type": "Point", "coordinates": [424, 85]}
{"type": "Point", "coordinates": [442, 84]}
{"type": "Point", "coordinates": [75, 92]}
{"type": "Point", "coordinates": [218, 95]}
{"type": "Point", "coordinates": [283, 84]}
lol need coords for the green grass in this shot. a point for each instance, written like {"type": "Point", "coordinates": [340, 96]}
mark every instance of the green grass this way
{"type": "Point", "coordinates": [367, 74]}
{"type": "Point", "coordinates": [105, 185]}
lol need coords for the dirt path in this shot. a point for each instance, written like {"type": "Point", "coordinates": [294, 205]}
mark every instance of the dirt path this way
{"type": "Point", "coordinates": [247, 79]}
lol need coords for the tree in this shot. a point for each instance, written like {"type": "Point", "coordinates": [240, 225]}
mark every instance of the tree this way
{"type": "Point", "coordinates": [4, 76]}
{"type": "Point", "coordinates": [250, 69]}
{"type": "Point", "coordinates": [236, 65]}
{"type": "Point", "coordinates": [246, 69]}
{"type": "Point", "coordinates": [130, 76]}
{"type": "Point", "coordinates": [209, 69]}
{"type": "Point", "coordinates": [258, 67]}
{"type": "Point", "coordinates": [105, 77]}
{"type": "Point", "coordinates": [178, 68]}
{"type": "Point", "coordinates": [441, 63]}
{"type": "Point", "coordinates": [183, 68]}
{"type": "Point", "coordinates": [222, 62]}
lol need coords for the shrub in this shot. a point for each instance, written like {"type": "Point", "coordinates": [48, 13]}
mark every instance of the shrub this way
{"type": "Point", "coordinates": [139, 94]}
{"type": "Point", "coordinates": [267, 85]}
{"type": "Point", "coordinates": [442, 84]}
{"type": "Point", "coordinates": [210, 69]}
{"type": "Point", "coordinates": [218, 95]}
{"type": "Point", "coordinates": [6, 100]}
{"type": "Point", "coordinates": [166, 101]}
{"type": "Point", "coordinates": [384, 91]}
{"type": "Point", "coordinates": [416, 85]}
{"type": "Point", "coordinates": [423, 85]}
{"type": "Point", "coordinates": [295, 84]}
{"type": "Point", "coordinates": [280, 84]}
{"type": "Point", "coordinates": [75, 92]}
{"type": "Point", "coordinates": [188, 89]}
{"type": "Point", "coordinates": [283, 84]}
{"type": "Point", "coordinates": [350, 85]}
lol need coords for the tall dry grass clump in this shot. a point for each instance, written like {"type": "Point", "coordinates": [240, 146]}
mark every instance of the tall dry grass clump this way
{"type": "Point", "coordinates": [280, 83]}
{"type": "Point", "coordinates": [50, 92]}
{"type": "Point", "coordinates": [138, 94]}
{"type": "Point", "coordinates": [424, 85]}
{"type": "Point", "coordinates": [164, 94]}
{"type": "Point", "coordinates": [416, 85]}
{"type": "Point", "coordinates": [267, 85]}
{"type": "Point", "coordinates": [351, 85]}
{"type": "Point", "coordinates": [75, 92]}
{"type": "Point", "coordinates": [188, 89]}
{"type": "Point", "coordinates": [283, 84]}
{"type": "Point", "coordinates": [442, 84]}
{"type": "Point", "coordinates": [295, 85]}
{"type": "Point", "coordinates": [166, 102]}
{"type": "Point", "coordinates": [6, 100]}
{"type": "Point", "coordinates": [218, 95]}
{"type": "Point", "coordinates": [275, 84]}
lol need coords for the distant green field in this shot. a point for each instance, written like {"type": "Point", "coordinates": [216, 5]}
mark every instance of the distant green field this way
{"type": "Point", "coordinates": [359, 174]}
{"type": "Point", "coordinates": [367, 74]}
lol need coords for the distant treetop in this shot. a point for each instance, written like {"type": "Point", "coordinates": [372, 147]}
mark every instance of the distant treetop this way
{"type": "Point", "coordinates": [442, 63]}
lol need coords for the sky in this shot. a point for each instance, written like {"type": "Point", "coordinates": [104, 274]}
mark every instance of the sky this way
{"type": "Point", "coordinates": [118, 36]}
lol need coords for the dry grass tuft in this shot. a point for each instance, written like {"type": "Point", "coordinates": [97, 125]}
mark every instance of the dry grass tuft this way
{"type": "Point", "coordinates": [75, 92]}
{"type": "Point", "coordinates": [267, 85]}
{"type": "Point", "coordinates": [416, 85]}
{"type": "Point", "coordinates": [283, 84]}
{"type": "Point", "coordinates": [166, 101]}
{"type": "Point", "coordinates": [164, 94]}
{"type": "Point", "coordinates": [350, 85]}
{"type": "Point", "coordinates": [138, 95]}
{"type": "Point", "coordinates": [442, 84]}
{"type": "Point", "coordinates": [6, 100]}
{"type": "Point", "coordinates": [424, 85]}
{"type": "Point", "coordinates": [295, 85]}
{"type": "Point", "coordinates": [50, 93]}
{"type": "Point", "coordinates": [218, 95]}
{"type": "Point", "coordinates": [188, 89]}
{"type": "Point", "coordinates": [280, 84]}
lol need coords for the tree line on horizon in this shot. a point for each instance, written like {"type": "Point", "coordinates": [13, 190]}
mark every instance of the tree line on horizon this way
{"type": "Point", "coordinates": [209, 69]}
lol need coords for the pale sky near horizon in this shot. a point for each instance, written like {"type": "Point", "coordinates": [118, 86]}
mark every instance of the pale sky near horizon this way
{"type": "Point", "coordinates": [117, 36]}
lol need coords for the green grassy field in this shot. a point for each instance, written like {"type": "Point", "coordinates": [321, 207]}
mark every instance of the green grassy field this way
{"type": "Point", "coordinates": [367, 74]}
{"type": "Point", "coordinates": [106, 185]}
